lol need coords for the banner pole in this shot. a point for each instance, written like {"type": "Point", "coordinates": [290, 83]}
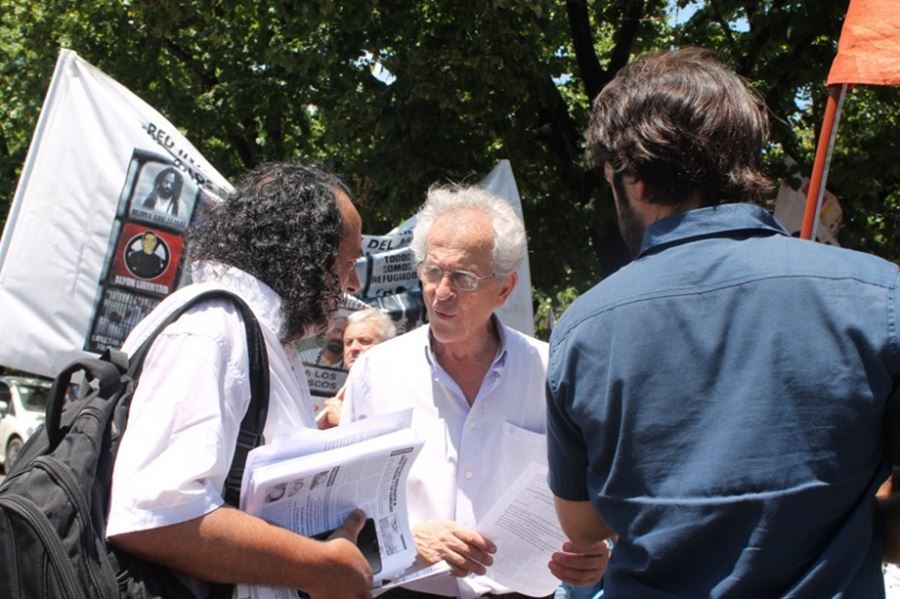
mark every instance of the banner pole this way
{"type": "Point", "coordinates": [819, 174]}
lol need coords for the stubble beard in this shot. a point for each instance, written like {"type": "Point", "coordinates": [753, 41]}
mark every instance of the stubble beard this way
{"type": "Point", "coordinates": [630, 226]}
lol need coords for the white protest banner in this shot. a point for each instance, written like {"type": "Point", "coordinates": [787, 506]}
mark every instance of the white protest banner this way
{"type": "Point", "coordinates": [93, 240]}
{"type": "Point", "coordinates": [517, 312]}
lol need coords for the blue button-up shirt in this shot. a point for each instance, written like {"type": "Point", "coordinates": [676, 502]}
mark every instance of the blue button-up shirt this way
{"type": "Point", "coordinates": [726, 402]}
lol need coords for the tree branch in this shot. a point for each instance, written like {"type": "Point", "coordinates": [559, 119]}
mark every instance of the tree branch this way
{"type": "Point", "coordinates": [750, 8]}
{"type": "Point", "coordinates": [245, 142]}
{"type": "Point", "coordinates": [758, 42]}
{"type": "Point", "coordinates": [4, 146]}
{"type": "Point", "coordinates": [774, 96]}
{"type": "Point", "coordinates": [592, 76]}
{"type": "Point", "coordinates": [726, 28]}
{"type": "Point", "coordinates": [624, 37]}
{"type": "Point", "coordinates": [557, 130]}
{"type": "Point", "coordinates": [207, 77]}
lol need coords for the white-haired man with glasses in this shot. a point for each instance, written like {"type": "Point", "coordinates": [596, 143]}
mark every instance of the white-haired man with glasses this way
{"type": "Point", "coordinates": [476, 388]}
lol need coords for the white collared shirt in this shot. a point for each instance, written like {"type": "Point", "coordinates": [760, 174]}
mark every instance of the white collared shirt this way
{"type": "Point", "coordinates": [471, 454]}
{"type": "Point", "coordinates": [191, 398]}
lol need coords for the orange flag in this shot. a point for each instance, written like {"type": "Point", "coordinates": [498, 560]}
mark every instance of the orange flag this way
{"type": "Point", "coordinates": [869, 47]}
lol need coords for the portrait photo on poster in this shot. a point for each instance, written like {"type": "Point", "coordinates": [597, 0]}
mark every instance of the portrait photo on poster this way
{"type": "Point", "coordinates": [146, 259]}
{"type": "Point", "coordinates": [157, 192]}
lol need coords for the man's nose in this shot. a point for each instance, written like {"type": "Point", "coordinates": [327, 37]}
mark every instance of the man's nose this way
{"type": "Point", "coordinates": [353, 284]}
{"type": "Point", "coordinates": [445, 287]}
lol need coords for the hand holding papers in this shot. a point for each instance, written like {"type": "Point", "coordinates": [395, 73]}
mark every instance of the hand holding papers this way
{"type": "Point", "coordinates": [524, 527]}
{"type": "Point", "coordinates": [312, 481]}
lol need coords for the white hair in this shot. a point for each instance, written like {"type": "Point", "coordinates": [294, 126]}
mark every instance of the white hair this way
{"type": "Point", "coordinates": [386, 327]}
{"type": "Point", "coordinates": [509, 232]}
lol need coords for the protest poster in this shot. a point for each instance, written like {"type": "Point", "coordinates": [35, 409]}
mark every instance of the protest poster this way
{"type": "Point", "coordinates": [791, 203]}
{"type": "Point", "coordinates": [94, 236]}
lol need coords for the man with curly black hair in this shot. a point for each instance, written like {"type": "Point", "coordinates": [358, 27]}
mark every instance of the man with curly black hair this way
{"type": "Point", "coordinates": [287, 243]}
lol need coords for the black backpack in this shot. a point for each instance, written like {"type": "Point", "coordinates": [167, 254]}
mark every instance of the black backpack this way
{"type": "Point", "coordinates": [55, 499]}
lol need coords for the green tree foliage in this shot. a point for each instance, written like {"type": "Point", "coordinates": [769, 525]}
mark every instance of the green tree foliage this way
{"type": "Point", "coordinates": [397, 95]}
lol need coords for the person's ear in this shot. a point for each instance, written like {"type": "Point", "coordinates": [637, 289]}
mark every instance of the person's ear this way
{"type": "Point", "coordinates": [638, 190]}
{"type": "Point", "coordinates": [628, 188]}
{"type": "Point", "coordinates": [507, 284]}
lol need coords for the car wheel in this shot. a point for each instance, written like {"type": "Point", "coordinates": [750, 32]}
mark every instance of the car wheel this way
{"type": "Point", "coordinates": [12, 451]}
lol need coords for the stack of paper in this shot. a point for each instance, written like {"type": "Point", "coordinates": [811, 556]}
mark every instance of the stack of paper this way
{"type": "Point", "coordinates": [311, 482]}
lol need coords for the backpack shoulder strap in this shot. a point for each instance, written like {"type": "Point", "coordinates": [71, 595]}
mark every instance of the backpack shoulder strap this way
{"type": "Point", "coordinates": [107, 371]}
{"type": "Point", "coordinates": [250, 435]}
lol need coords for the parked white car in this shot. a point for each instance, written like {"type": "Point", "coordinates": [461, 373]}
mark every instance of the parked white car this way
{"type": "Point", "coordinates": [23, 402]}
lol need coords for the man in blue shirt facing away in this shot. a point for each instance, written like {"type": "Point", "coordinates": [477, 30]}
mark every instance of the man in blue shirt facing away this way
{"type": "Point", "coordinates": [727, 403]}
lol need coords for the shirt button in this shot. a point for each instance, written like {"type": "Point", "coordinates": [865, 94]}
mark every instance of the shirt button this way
{"type": "Point", "coordinates": [468, 474]}
{"type": "Point", "coordinates": [471, 425]}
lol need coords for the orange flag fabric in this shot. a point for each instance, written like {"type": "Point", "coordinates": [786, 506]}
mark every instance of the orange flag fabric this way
{"type": "Point", "coordinates": [869, 47]}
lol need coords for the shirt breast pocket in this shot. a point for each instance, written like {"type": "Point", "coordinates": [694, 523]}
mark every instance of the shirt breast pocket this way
{"type": "Point", "coordinates": [520, 447]}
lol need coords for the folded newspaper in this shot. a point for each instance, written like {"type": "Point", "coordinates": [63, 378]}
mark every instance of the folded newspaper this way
{"type": "Point", "coordinates": [312, 481]}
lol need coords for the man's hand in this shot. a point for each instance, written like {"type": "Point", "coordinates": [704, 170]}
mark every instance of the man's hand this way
{"type": "Point", "coordinates": [464, 549]}
{"type": "Point", "coordinates": [331, 410]}
{"type": "Point", "coordinates": [580, 565]}
{"type": "Point", "coordinates": [349, 575]}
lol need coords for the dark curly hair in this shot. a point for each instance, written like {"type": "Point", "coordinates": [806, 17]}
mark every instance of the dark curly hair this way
{"type": "Point", "coordinates": [283, 226]}
{"type": "Point", "coordinates": [683, 124]}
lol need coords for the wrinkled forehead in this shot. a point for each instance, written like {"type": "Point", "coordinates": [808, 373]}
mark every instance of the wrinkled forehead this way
{"type": "Point", "coordinates": [365, 328]}
{"type": "Point", "coordinates": [349, 214]}
{"type": "Point", "coordinates": [466, 232]}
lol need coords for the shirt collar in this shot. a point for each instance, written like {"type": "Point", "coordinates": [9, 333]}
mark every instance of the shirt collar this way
{"type": "Point", "coordinates": [499, 358]}
{"type": "Point", "coordinates": [262, 299]}
{"type": "Point", "coordinates": [712, 221]}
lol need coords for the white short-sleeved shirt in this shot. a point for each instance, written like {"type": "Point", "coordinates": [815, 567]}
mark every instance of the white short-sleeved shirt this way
{"type": "Point", "coordinates": [191, 398]}
{"type": "Point", "coordinates": [471, 454]}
